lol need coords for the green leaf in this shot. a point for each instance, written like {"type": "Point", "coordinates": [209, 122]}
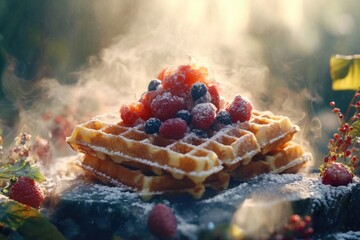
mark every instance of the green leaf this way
{"type": "Point", "coordinates": [21, 168]}
{"type": "Point", "coordinates": [26, 221]}
{"type": "Point", "coordinates": [345, 72]}
{"type": "Point", "coordinates": [356, 129]}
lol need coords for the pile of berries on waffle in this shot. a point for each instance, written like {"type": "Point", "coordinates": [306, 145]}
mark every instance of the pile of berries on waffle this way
{"type": "Point", "coordinates": [181, 136]}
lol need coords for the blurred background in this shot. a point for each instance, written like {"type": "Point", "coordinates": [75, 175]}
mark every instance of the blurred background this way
{"type": "Point", "coordinates": [62, 62]}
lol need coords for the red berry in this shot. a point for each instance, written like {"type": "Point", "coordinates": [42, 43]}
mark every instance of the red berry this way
{"type": "Point", "coordinates": [27, 191]}
{"type": "Point", "coordinates": [162, 222]}
{"type": "Point", "coordinates": [174, 128]}
{"type": "Point", "coordinates": [175, 84]}
{"type": "Point", "coordinates": [179, 80]}
{"type": "Point", "coordinates": [131, 113]}
{"type": "Point", "coordinates": [166, 106]}
{"type": "Point", "coordinates": [337, 174]}
{"type": "Point", "coordinates": [146, 100]}
{"type": "Point", "coordinates": [203, 115]}
{"type": "Point", "coordinates": [240, 109]}
{"type": "Point", "coordinates": [215, 96]}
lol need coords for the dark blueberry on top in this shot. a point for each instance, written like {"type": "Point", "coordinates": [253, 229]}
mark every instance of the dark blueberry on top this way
{"type": "Point", "coordinates": [198, 90]}
{"type": "Point", "coordinates": [184, 115]}
{"type": "Point", "coordinates": [223, 117]}
{"type": "Point", "coordinates": [154, 84]}
{"type": "Point", "coordinates": [152, 125]}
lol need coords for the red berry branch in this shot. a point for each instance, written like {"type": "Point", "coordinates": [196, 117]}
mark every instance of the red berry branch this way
{"type": "Point", "coordinates": [344, 146]}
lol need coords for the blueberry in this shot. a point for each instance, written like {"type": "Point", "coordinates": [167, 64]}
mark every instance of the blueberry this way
{"type": "Point", "coordinates": [223, 117]}
{"type": "Point", "coordinates": [200, 133]}
{"type": "Point", "coordinates": [154, 84]}
{"type": "Point", "coordinates": [204, 99]}
{"type": "Point", "coordinates": [184, 115]}
{"type": "Point", "coordinates": [198, 90]}
{"type": "Point", "coordinates": [152, 125]}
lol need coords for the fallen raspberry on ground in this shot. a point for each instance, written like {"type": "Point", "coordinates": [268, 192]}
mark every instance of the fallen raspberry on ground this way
{"type": "Point", "coordinates": [162, 222]}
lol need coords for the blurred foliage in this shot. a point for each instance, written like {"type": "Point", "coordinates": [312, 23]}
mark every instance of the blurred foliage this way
{"type": "Point", "coordinates": [50, 39]}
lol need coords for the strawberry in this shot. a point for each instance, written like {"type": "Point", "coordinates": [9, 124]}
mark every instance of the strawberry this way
{"type": "Point", "coordinates": [162, 222]}
{"type": "Point", "coordinates": [27, 191]}
{"type": "Point", "coordinates": [337, 174]}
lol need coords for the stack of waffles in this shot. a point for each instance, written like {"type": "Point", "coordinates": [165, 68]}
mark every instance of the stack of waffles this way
{"type": "Point", "coordinates": [181, 137]}
{"type": "Point", "coordinates": [150, 164]}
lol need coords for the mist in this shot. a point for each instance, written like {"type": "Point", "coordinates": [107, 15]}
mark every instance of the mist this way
{"type": "Point", "coordinates": [276, 53]}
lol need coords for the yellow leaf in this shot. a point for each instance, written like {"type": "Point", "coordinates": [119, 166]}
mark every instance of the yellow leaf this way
{"type": "Point", "coordinates": [345, 72]}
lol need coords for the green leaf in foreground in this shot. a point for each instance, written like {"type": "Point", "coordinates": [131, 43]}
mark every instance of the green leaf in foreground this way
{"type": "Point", "coordinates": [345, 72]}
{"type": "Point", "coordinates": [26, 221]}
{"type": "Point", "coordinates": [21, 167]}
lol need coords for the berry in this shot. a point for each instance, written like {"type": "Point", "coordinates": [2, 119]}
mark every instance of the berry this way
{"type": "Point", "coordinates": [152, 125]}
{"type": "Point", "coordinates": [223, 117]}
{"type": "Point", "coordinates": [27, 191]}
{"type": "Point", "coordinates": [215, 96]}
{"type": "Point", "coordinates": [240, 109]}
{"type": "Point", "coordinates": [184, 115]}
{"type": "Point", "coordinates": [176, 85]}
{"type": "Point", "coordinates": [203, 115]}
{"type": "Point", "coordinates": [337, 174]}
{"type": "Point", "coordinates": [162, 222]}
{"type": "Point", "coordinates": [154, 84]}
{"type": "Point", "coordinates": [179, 80]}
{"type": "Point", "coordinates": [174, 128]}
{"type": "Point", "coordinates": [200, 133]}
{"type": "Point", "coordinates": [166, 106]}
{"type": "Point", "coordinates": [163, 73]}
{"type": "Point", "coordinates": [204, 99]}
{"type": "Point", "coordinates": [198, 90]}
{"type": "Point", "coordinates": [130, 113]}
{"type": "Point", "coordinates": [146, 100]}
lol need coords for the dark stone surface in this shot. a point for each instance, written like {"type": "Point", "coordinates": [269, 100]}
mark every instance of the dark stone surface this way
{"type": "Point", "coordinates": [86, 210]}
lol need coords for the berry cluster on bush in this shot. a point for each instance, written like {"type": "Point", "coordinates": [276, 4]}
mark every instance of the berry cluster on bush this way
{"type": "Point", "coordinates": [296, 227]}
{"type": "Point", "coordinates": [184, 99]}
{"type": "Point", "coordinates": [343, 153]}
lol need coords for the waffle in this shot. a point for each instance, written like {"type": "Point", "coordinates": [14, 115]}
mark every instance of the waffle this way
{"type": "Point", "coordinates": [288, 159]}
{"type": "Point", "coordinates": [271, 131]}
{"type": "Point", "coordinates": [191, 157]}
{"type": "Point", "coordinates": [146, 183]}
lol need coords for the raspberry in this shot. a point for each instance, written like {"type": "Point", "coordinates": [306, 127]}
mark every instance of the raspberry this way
{"type": "Point", "coordinates": [146, 100]}
{"type": "Point", "coordinates": [162, 222]}
{"type": "Point", "coordinates": [337, 174]}
{"type": "Point", "coordinates": [240, 109]}
{"type": "Point", "coordinates": [152, 125]}
{"type": "Point", "coordinates": [27, 191]}
{"type": "Point", "coordinates": [193, 74]}
{"type": "Point", "coordinates": [164, 73]}
{"type": "Point", "coordinates": [175, 83]}
{"type": "Point", "coordinates": [174, 128]}
{"type": "Point", "coordinates": [179, 80]}
{"type": "Point", "coordinates": [166, 106]}
{"type": "Point", "coordinates": [215, 96]}
{"type": "Point", "coordinates": [131, 113]}
{"type": "Point", "coordinates": [203, 115]}
{"type": "Point", "coordinates": [198, 90]}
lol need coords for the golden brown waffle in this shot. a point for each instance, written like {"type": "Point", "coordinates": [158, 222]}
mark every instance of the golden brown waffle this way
{"type": "Point", "coordinates": [146, 183]}
{"type": "Point", "coordinates": [289, 159]}
{"type": "Point", "coordinates": [192, 157]}
{"type": "Point", "coordinates": [271, 131]}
